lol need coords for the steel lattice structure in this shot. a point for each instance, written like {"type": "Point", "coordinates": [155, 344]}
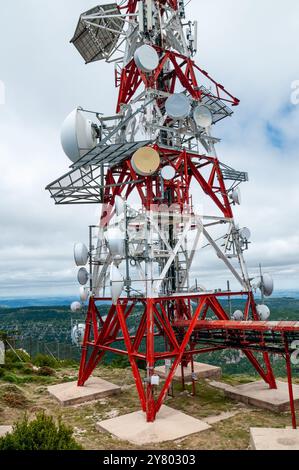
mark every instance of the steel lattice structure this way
{"type": "Point", "coordinates": [176, 320]}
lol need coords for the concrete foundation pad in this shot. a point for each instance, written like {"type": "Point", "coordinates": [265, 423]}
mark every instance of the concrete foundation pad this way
{"type": "Point", "coordinates": [170, 425]}
{"type": "Point", "coordinates": [258, 394]}
{"type": "Point", "coordinates": [274, 439]}
{"type": "Point", "coordinates": [202, 371]}
{"type": "Point", "coordinates": [5, 430]}
{"type": "Point", "coordinates": [69, 394]}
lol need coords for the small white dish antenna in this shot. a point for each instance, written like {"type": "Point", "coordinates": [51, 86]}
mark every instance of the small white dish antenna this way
{"type": "Point", "coordinates": [78, 136]}
{"type": "Point", "coordinates": [80, 254]}
{"type": "Point", "coordinates": [168, 173]}
{"type": "Point", "coordinates": [178, 106]}
{"type": "Point", "coordinates": [263, 312]}
{"type": "Point", "coordinates": [146, 58]}
{"type": "Point", "coordinates": [267, 285]}
{"type": "Point", "coordinates": [116, 242]}
{"type": "Point", "coordinates": [238, 315]}
{"type": "Point", "coordinates": [78, 332]}
{"type": "Point", "coordinates": [120, 206]}
{"type": "Point", "coordinates": [83, 276]}
{"type": "Point", "coordinates": [84, 293]}
{"type": "Point", "coordinates": [76, 307]}
{"type": "Point", "coordinates": [203, 116]}
{"type": "Point", "coordinates": [116, 282]}
{"type": "Point", "coordinates": [245, 233]}
{"type": "Point", "coordinates": [236, 196]}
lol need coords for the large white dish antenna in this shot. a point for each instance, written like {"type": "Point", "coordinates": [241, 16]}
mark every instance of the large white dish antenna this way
{"type": "Point", "coordinates": [238, 315]}
{"type": "Point", "coordinates": [76, 307]}
{"type": "Point", "coordinates": [267, 285]}
{"type": "Point", "coordinates": [236, 196]}
{"type": "Point", "coordinates": [84, 293]}
{"type": "Point", "coordinates": [168, 173]}
{"type": "Point", "coordinates": [178, 106]}
{"type": "Point", "coordinates": [116, 282]}
{"type": "Point", "coordinates": [116, 242]}
{"type": "Point", "coordinates": [245, 233]}
{"type": "Point", "coordinates": [202, 116]}
{"type": "Point", "coordinates": [78, 136]}
{"type": "Point", "coordinates": [146, 58]}
{"type": "Point", "coordinates": [146, 161]}
{"type": "Point", "coordinates": [263, 312]}
{"type": "Point", "coordinates": [83, 276]}
{"type": "Point", "coordinates": [80, 254]}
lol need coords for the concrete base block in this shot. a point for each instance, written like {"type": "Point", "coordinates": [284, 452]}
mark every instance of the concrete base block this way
{"type": "Point", "coordinates": [258, 394]}
{"type": "Point", "coordinates": [274, 439]}
{"type": "Point", "coordinates": [69, 394]}
{"type": "Point", "coordinates": [5, 430]}
{"type": "Point", "coordinates": [169, 425]}
{"type": "Point", "coordinates": [202, 371]}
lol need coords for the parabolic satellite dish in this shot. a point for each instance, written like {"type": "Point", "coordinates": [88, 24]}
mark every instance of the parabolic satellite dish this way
{"type": "Point", "coordinates": [178, 106]}
{"type": "Point", "coordinates": [267, 285]}
{"type": "Point", "coordinates": [146, 58]}
{"type": "Point", "coordinates": [168, 173]}
{"type": "Point", "coordinates": [80, 254]}
{"type": "Point", "coordinates": [116, 242]}
{"type": "Point", "coordinates": [116, 283]}
{"type": "Point", "coordinates": [236, 196]}
{"type": "Point", "coordinates": [245, 233]}
{"type": "Point", "coordinates": [238, 315]}
{"type": "Point", "coordinates": [78, 136]}
{"type": "Point", "coordinates": [146, 161]}
{"type": "Point", "coordinates": [263, 312]}
{"type": "Point", "coordinates": [202, 116]}
{"type": "Point", "coordinates": [83, 276]}
{"type": "Point", "coordinates": [78, 333]}
{"type": "Point", "coordinates": [76, 307]}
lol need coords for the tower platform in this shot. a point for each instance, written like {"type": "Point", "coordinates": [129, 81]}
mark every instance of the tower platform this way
{"type": "Point", "coordinates": [69, 394]}
{"type": "Point", "coordinates": [258, 394]}
{"type": "Point", "coordinates": [201, 370]}
{"type": "Point", "coordinates": [274, 439]}
{"type": "Point", "coordinates": [170, 425]}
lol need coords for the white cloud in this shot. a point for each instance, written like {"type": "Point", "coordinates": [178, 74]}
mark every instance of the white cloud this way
{"type": "Point", "coordinates": [250, 46]}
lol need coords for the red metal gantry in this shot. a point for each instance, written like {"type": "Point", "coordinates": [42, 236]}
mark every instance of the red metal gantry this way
{"type": "Point", "coordinates": [182, 319]}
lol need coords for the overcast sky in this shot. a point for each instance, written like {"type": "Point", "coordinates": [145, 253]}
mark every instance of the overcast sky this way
{"type": "Point", "coordinates": [250, 46]}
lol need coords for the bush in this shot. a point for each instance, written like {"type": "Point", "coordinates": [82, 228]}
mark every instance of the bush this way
{"type": "Point", "coordinates": [46, 372]}
{"type": "Point", "coordinates": [42, 360]}
{"type": "Point", "coordinates": [12, 357]}
{"type": "Point", "coordinates": [120, 362]}
{"type": "Point", "coordinates": [13, 396]}
{"type": "Point", "coordinates": [40, 434]}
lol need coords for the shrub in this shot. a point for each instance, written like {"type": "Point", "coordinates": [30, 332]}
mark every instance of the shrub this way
{"type": "Point", "coordinates": [13, 396]}
{"type": "Point", "coordinates": [46, 372]}
{"type": "Point", "coordinates": [14, 357]}
{"type": "Point", "coordinates": [120, 362]}
{"type": "Point", "coordinates": [40, 434]}
{"type": "Point", "coordinates": [42, 360]}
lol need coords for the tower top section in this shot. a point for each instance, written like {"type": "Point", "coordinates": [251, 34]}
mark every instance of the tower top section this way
{"type": "Point", "coordinates": [114, 31]}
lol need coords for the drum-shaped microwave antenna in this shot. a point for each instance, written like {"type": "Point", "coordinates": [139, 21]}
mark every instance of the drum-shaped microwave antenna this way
{"type": "Point", "coordinates": [146, 58]}
{"type": "Point", "coordinates": [76, 307]}
{"type": "Point", "coordinates": [263, 312]}
{"type": "Point", "coordinates": [146, 161]}
{"type": "Point", "coordinates": [78, 135]}
{"type": "Point", "coordinates": [168, 173]}
{"type": "Point", "coordinates": [236, 196]}
{"type": "Point", "coordinates": [80, 254]}
{"type": "Point", "coordinates": [245, 233]}
{"type": "Point", "coordinates": [202, 116]}
{"type": "Point", "coordinates": [238, 315]}
{"type": "Point", "coordinates": [178, 106]}
{"type": "Point", "coordinates": [267, 285]}
{"type": "Point", "coordinates": [116, 242]}
{"type": "Point", "coordinates": [83, 276]}
{"type": "Point", "coordinates": [84, 293]}
{"type": "Point", "coordinates": [78, 332]}
{"type": "Point", "coordinates": [116, 283]}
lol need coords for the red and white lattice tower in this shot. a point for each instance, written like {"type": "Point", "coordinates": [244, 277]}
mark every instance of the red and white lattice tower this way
{"type": "Point", "coordinates": [153, 169]}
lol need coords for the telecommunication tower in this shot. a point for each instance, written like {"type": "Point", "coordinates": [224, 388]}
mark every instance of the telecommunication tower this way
{"type": "Point", "coordinates": [164, 197]}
